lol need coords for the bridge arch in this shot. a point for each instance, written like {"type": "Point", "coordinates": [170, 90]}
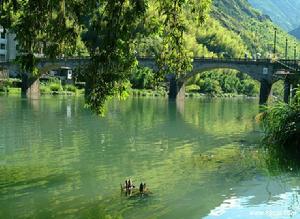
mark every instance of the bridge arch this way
{"type": "Point", "coordinates": [261, 70]}
{"type": "Point", "coordinates": [258, 70]}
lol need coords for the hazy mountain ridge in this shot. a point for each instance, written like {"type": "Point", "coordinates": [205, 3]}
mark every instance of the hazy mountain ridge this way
{"type": "Point", "coordinates": [296, 32]}
{"type": "Point", "coordinates": [285, 13]}
{"type": "Point", "coordinates": [255, 28]}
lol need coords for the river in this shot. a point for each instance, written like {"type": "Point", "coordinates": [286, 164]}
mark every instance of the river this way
{"type": "Point", "coordinates": [200, 159]}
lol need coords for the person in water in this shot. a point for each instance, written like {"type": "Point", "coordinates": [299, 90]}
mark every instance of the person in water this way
{"type": "Point", "coordinates": [130, 184]}
{"type": "Point", "coordinates": [124, 186]}
{"type": "Point", "coordinates": [141, 188]}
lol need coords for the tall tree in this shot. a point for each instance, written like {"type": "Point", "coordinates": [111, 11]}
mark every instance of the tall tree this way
{"type": "Point", "coordinates": [110, 39]}
{"type": "Point", "coordinates": [45, 26]}
{"type": "Point", "coordinates": [174, 57]}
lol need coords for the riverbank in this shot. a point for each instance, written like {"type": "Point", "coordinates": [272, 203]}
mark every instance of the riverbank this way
{"type": "Point", "coordinates": [162, 93]}
{"type": "Point", "coordinates": [73, 91]}
{"type": "Point", "coordinates": [54, 87]}
{"type": "Point", "coordinates": [17, 91]}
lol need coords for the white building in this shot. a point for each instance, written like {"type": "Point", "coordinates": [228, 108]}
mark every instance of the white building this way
{"type": "Point", "coordinates": [8, 46]}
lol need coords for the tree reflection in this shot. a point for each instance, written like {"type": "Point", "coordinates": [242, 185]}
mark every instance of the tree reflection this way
{"type": "Point", "coordinates": [282, 159]}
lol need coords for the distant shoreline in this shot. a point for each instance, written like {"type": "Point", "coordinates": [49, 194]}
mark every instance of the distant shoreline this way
{"type": "Point", "coordinates": [132, 93]}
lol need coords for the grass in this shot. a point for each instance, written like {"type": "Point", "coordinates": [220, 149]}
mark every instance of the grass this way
{"type": "Point", "coordinates": [148, 93]}
{"type": "Point", "coordinates": [14, 91]}
{"type": "Point", "coordinates": [10, 90]}
{"type": "Point", "coordinates": [46, 89]}
{"type": "Point", "coordinates": [70, 87]}
{"type": "Point", "coordinates": [55, 88]}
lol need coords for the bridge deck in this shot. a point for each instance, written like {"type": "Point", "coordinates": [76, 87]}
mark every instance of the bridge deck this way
{"type": "Point", "coordinates": [290, 64]}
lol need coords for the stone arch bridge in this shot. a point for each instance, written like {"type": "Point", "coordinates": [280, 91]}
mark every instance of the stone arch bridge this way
{"type": "Point", "coordinates": [265, 71]}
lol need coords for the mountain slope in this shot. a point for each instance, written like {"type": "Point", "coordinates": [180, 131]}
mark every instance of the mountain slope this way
{"type": "Point", "coordinates": [285, 13]}
{"type": "Point", "coordinates": [256, 29]}
{"type": "Point", "coordinates": [232, 29]}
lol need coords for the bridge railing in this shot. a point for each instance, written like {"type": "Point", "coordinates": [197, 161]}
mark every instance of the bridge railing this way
{"type": "Point", "coordinates": [291, 64]}
{"type": "Point", "coordinates": [152, 58]}
{"type": "Point", "coordinates": [288, 63]}
{"type": "Point", "coordinates": [74, 58]}
{"type": "Point", "coordinates": [216, 59]}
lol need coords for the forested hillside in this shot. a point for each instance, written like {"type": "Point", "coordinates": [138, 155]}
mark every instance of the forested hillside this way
{"type": "Point", "coordinates": [232, 29]}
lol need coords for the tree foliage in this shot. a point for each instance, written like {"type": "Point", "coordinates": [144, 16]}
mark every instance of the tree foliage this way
{"type": "Point", "coordinates": [108, 28]}
{"type": "Point", "coordinates": [174, 57]}
{"type": "Point", "coordinates": [225, 82]}
{"type": "Point", "coordinates": [48, 27]}
{"type": "Point", "coordinates": [109, 37]}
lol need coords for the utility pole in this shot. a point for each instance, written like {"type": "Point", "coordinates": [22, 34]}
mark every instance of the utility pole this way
{"type": "Point", "coordinates": [293, 91]}
{"type": "Point", "coordinates": [286, 48]}
{"type": "Point", "coordinates": [275, 41]}
{"type": "Point", "coordinates": [295, 52]}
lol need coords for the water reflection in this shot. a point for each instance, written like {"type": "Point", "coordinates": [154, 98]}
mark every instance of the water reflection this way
{"type": "Point", "coordinates": [57, 160]}
{"type": "Point", "coordinates": [286, 206]}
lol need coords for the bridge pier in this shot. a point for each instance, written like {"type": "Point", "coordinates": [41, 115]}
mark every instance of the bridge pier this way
{"type": "Point", "coordinates": [287, 91]}
{"type": "Point", "coordinates": [176, 89]}
{"type": "Point", "coordinates": [30, 86]}
{"type": "Point", "coordinates": [265, 90]}
{"type": "Point", "coordinates": [88, 88]}
{"type": "Point", "coordinates": [293, 90]}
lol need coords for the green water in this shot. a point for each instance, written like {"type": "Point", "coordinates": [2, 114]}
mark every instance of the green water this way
{"type": "Point", "coordinates": [199, 160]}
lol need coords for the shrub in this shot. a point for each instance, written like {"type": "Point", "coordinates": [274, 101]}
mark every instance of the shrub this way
{"type": "Point", "coordinates": [3, 88]}
{"type": "Point", "coordinates": [278, 89]}
{"type": "Point", "coordinates": [45, 89]}
{"type": "Point", "coordinates": [70, 88]}
{"type": "Point", "coordinates": [161, 91]}
{"type": "Point", "coordinates": [192, 88]}
{"type": "Point", "coordinates": [14, 90]}
{"type": "Point", "coordinates": [5, 85]}
{"type": "Point", "coordinates": [55, 87]}
{"type": "Point", "coordinates": [281, 125]}
{"type": "Point", "coordinates": [142, 78]}
{"type": "Point", "coordinates": [210, 86]}
{"type": "Point", "coordinates": [250, 88]}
